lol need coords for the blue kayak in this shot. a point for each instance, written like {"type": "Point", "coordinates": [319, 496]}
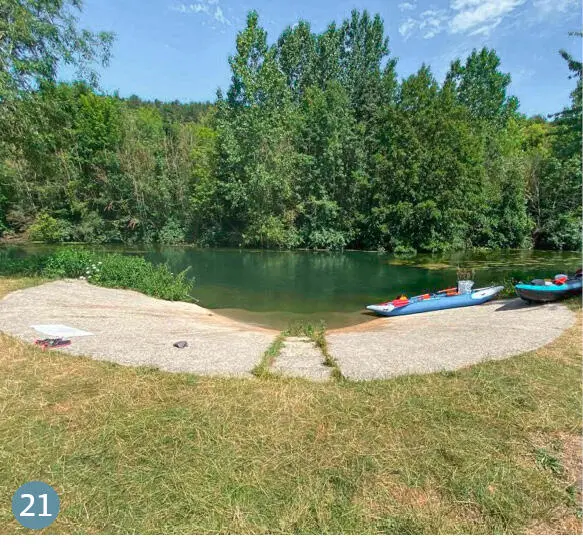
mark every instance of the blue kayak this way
{"type": "Point", "coordinates": [541, 291]}
{"type": "Point", "coordinates": [439, 301]}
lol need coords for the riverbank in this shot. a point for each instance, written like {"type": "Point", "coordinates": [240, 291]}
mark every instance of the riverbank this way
{"type": "Point", "coordinates": [132, 329]}
{"type": "Point", "coordinates": [494, 448]}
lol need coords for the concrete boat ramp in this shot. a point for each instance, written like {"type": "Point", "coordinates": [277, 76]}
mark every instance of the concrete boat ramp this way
{"type": "Point", "coordinates": [133, 329]}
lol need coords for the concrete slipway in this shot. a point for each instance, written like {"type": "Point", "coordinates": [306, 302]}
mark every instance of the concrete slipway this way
{"type": "Point", "coordinates": [133, 329]}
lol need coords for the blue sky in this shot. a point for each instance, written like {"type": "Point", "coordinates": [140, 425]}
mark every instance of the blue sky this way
{"type": "Point", "coordinates": [178, 49]}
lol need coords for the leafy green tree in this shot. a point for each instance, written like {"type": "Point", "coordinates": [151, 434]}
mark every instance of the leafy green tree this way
{"type": "Point", "coordinates": [482, 87]}
{"type": "Point", "coordinates": [556, 201]}
{"type": "Point", "coordinates": [315, 143]}
{"type": "Point", "coordinates": [569, 122]}
{"type": "Point", "coordinates": [364, 48]}
{"type": "Point", "coordinates": [297, 57]}
{"type": "Point", "coordinates": [256, 159]}
{"type": "Point", "coordinates": [331, 158]}
{"type": "Point", "coordinates": [37, 35]}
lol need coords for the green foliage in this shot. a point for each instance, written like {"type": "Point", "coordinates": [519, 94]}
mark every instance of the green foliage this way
{"type": "Point", "coordinates": [326, 239]}
{"type": "Point", "coordinates": [555, 178]}
{"type": "Point", "coordinates": [173, 112]}
{"type": "Point", "coordinates": [119, 271]}
{"type": "Point", "coordinates": [405, 251]}
{"type": "Point", "coordinates": [48, 229]}
{"type": "Point", "coordinates": [548, 461]}
{"type": "Point", "coordinates": [465, 274]}
{"type": "Point", "coordinates": [481, 87]}
{"type": "Point", "coordinates": [271, 232]}
{"type": "Point", "coordinates": [37, 35]}
{"type": "Point", "coordinates": [3, 205]}
{"type": "Point", "coordinates": [509, 291]}
{"type": "Point", "coordinates": [315, 144]}
{"type": "Point", "coordinates": [171, 233]}
{"type": "Point", "coordinates": [103, 269]}
{"type": "Point", "coordinates": [67, 263]}
{"type": "Point", "coordinates": [90, 229]}
{"type": "Point", "coordinates": [16, 266]}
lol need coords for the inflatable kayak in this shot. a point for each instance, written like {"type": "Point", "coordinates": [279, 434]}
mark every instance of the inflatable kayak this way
{"type": "Point", "coordinates": [437, 301]}
{"type": "Point", "coordinates": [546, 291]}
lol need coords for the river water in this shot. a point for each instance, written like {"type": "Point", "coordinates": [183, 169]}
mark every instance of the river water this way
{"type": "Point", "coordinates": [275, 288]}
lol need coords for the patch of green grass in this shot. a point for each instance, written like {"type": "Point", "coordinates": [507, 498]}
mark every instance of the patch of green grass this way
{"type": "Point", "coordinates": [103, 269]}
{"type": "Point", "coordinates": [319, 338]}
{"type": "Point", "coordinates": [509, 291]}
{"type": "Point", "coordinates": [315, 332]}
{"type": "Point", "coordinates": [263, 368]}
{"type": "Point", "coordinates": [573, 303]}
{"type": "Point", "coordinates": [548, 461]}
{"type": "Point", "coordinates": [132, 450]}
{"type": "Point", "coordinates": [17, 283]}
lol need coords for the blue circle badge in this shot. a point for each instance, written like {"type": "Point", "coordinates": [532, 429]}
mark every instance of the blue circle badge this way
{"type": "Point", "coordinates": [35, 505]}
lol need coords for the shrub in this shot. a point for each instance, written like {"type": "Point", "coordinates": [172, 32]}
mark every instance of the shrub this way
{"type": "Point", "coordinates": [509, 291]}
{"type": "Point", "coordinates": [45, 228]}
{"type": "Point", "coordinates": [109, 270]}
{"type": "Point", "coordinates": [562, 232]}
{"type": "Point", "coordinates": [67, 263]}
{"type": "Point", "coordinates": [326, 239]}
{"type": "Point", "coordinates": [271, 232]}
{"type": "Point", "coordinates": [404, 251]}
{"type": "Point", "coordinates": [119, 271]}
{"type": "Point", "coordinates": [11, 265]}
{"type": "Point", "coordinates": [171, 233]}
{"type": "Point", "coordinates": [90, 229]}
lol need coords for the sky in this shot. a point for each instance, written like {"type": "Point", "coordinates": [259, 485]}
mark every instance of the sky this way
{"type": "Point", "coordinates": [178, 49]}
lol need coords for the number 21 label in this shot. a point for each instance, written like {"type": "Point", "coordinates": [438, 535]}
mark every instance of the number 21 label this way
{"type": "Point", "coordinates": [35, 505]}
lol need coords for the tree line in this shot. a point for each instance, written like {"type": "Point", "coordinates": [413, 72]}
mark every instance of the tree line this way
{"type": "Point", "coordinates": [315, 144]}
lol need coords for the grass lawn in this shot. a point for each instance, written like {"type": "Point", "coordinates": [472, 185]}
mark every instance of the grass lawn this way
{"type": "Point", "coordinates": [495, 448]}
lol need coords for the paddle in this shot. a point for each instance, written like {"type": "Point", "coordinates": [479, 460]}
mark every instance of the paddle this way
{"type": "Point", "coordinates": [448, 291]}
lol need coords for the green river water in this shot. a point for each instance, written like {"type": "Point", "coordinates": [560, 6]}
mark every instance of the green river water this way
{"type": "Point", "coordinates": [275, 288]}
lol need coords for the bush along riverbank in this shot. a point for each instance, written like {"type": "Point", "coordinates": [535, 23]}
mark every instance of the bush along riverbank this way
{"type": "Point", "coordinates": [108, 270]}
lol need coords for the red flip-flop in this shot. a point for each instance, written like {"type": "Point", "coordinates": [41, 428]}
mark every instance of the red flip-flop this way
{"type": "Point", "coordinates": [52, 343]}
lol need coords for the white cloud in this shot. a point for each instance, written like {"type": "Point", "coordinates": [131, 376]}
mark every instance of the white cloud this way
{"type": "Point", "coordinates": [547, 7]}
{"type": "Point", "coordinates": [407, 6]}
{"type": "Point", "coordinates": [220, 17]}
{"type": "Point", "coordinates": [210, 8]}
{"type": "Point", "coordinates": [471, 17]}
{"type": "Point", "coordinates": [432, 22]}
{"type": "Point", "coordinates": [407, 27]}
{"type": "Point", "coordinates": [429, 23]}
{"type": "Point", "coordinates": [485, 29]}
{"type": "Point", "coordinates": [463, 4]}
{"type": "Point", "coordinates": [480, 17]}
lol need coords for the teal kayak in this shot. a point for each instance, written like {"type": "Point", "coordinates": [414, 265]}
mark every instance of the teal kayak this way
{"type": "Point", "coordinates": [541, 291]}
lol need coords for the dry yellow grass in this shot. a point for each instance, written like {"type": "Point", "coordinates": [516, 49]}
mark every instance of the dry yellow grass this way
{"type": "Point", "coordinates": [489, 449]}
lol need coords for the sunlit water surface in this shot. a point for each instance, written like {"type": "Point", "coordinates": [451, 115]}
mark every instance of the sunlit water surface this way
{"type": "Point", "coordinates": [273, 288]}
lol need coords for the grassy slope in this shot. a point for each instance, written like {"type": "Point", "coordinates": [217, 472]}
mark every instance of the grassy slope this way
{"type": "Point", "coordinates": [493, 448]}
